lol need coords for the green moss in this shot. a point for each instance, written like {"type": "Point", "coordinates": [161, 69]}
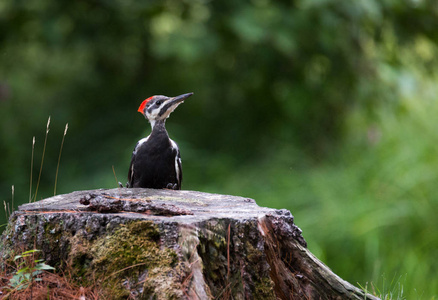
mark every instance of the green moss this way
{"type": "Point", "coordinates": [264, 289]}
{"type": "Point", "coordinates": [132, 256]}
{"type": "Point", "coordinates": [263, 285]}
{"type": "Point", "coordinates": [253, 254]}
{"type": "Point", "coordinates": [80, 257]}
{"type": "Point", "coordinates": [53, 231]}
{"type": "Point", "coordinates": [5, 243]}
{"type": "Point", "coordinates": [131, 244]}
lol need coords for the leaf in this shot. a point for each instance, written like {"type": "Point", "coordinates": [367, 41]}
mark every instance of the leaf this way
{"type": "Point", "coordinates": [22, 263]}
{"type": "Point", "coordinates": [15, 280]}
{"type": "Point", "coordinates": [23, 286]}
{"type": "Point", "coordinates": [30, 251]}
{"type": "Point", "coordinates": [23, 270]}
{"type": "Point", "coordinates": [43, 266]}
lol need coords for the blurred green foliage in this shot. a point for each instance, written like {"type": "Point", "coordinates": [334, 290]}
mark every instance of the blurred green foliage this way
{"type": "Point", "coordinates": [324, 107]}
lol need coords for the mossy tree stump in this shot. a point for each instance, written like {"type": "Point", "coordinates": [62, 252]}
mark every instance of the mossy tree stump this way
{"type": "Point", "coordinates": [166, 244]}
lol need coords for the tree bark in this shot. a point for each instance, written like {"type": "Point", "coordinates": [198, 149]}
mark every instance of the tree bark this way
{"type": "Point", "coordinates": [165, 244]}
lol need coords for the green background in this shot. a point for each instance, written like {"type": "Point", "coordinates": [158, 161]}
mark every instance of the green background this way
{"type": "Point", "coordinates": [327, 108]}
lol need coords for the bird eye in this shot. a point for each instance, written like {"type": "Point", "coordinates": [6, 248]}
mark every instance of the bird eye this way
{"type": "Point", "coordinates": [158, 103]}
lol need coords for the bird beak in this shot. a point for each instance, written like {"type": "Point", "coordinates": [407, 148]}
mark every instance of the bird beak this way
{"type": "Point", "coordinates": [171, 104]}
{"type": "Point", "coordinates": [179, 98]}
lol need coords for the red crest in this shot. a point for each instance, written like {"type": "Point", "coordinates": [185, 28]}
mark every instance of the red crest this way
{"type": "Point", "coordinates": [143, 104]}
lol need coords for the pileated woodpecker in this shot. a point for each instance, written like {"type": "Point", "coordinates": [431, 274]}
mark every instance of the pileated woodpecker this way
{"type": "Point", "coordinates": [156, 160]}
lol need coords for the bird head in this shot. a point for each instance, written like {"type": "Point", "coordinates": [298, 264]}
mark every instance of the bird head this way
{"type": "Point", "coordinates": [159, 107]}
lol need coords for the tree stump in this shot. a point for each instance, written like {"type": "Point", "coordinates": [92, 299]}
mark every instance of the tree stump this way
{"type": "Point", "coordinates": [163, 244]}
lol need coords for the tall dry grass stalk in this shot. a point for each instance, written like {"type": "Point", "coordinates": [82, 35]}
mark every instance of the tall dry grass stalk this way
{"type": "Point", "coordinates": [7, 209]}
{"type": "Point", "coordinates": [13, 195]}
{"type": "Point", "coordinates": [42, 159]}
{"type": "Point", "coordinates": [59, 158]}
{"type": "Point", "coordinates": [31, 170]}
{"type": "Point", "coordinates": [114, 172]}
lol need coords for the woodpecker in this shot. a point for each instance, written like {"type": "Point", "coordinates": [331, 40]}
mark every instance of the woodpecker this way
{"type": "Point", "coordinates": [156, 160]}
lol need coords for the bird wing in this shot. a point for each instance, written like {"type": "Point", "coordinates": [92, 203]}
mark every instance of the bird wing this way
{"type": "Point", "coordinates": [131, 174]}
{"type": "Point", "coordinates": [178, 168]}
{"type": "Point", "coordinates": [131, 168]}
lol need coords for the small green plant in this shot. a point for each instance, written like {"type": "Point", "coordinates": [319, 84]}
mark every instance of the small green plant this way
{"type": "Point", "coordinates": [392, 292]}
{"type": "Point", "coordinates": [27, 270]}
